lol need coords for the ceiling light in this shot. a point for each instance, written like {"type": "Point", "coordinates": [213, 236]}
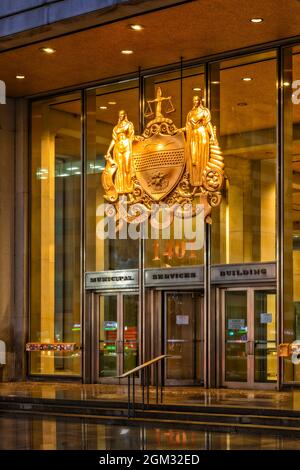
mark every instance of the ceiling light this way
{"type": "Point", "coordinates": [136, 27]}
{"type": "Point", "coordinates": [197, 89]}
{"type": "Point", "coordinates": [112, 102]}
{"type": "Point", "coordinates": [247, 79]}
{"type": "Point", "coordinates": [48, 50]}
{"type": "Point", "coordinates": [256, 20]}
{"type": "Point", "coordinates": [20, 76]}
{"type": "Point", "coordinates": [127, 52]}
{"type": "Point", "coordinates": [102, 107]}
{"type": "Point", "coordinates": [286, 83]}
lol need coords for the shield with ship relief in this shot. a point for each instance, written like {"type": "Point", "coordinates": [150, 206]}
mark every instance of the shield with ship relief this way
{"type": "Point", "coordinates": [159, 162]}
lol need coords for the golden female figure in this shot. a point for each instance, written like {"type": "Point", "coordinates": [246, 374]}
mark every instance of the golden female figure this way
{"type": "Point", "coordinates": [199, 135]}
{"type": "Point", "coordinates": [121, 144]}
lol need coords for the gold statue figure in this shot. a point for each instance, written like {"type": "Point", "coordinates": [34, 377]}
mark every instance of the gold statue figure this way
{"type": "Point", "coordinates": [158, 101]}
{"type": "Point", "coordinates": [121, 144]}
{"type": "Point", "coordinates": [199, 136]}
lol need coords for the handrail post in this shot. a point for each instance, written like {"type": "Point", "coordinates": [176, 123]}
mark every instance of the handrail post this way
{"type": "Point", "coordinates": [133, 395]}
{"type": "Point", "coordinates": [128, 396]}
{"type": "Point", "coordinates": [156, 381]}
{"type": "Point", "coordinates": [148, 384]}
{"type": "Point", "coordinates": [161, 380]}
{"type": "Point", "coordinates": [143, 387]}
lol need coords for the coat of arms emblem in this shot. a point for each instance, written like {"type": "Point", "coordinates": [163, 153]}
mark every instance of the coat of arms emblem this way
{"type": "Point", "coordinates": [165, 164]}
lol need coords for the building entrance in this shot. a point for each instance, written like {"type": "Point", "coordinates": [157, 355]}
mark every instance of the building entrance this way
{"type": "Point", "coordinates": [249, 349]}
{"type": "Point", "coordinates": [117, 335]}
{"type": "Point", "coordinates": [184, 338]}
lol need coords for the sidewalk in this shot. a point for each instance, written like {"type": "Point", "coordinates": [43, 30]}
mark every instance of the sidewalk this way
{"type": "Point", "coordinates": [285, 400]}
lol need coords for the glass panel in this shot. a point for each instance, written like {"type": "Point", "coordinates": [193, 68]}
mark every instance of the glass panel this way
{"type": "Point", "coordinates": [55, 232]}
{"type": "Point", "coordinates": [130, 332]}
{"type": "Point", "coordinates": [103, 105]}
{"type": "Point", "coordinates": [236, 336]}
{"type": "Point", "coordinates": [243, 95]}
{"type": "Point", "coordinates": [109, 336]}
{"type": "Point", "coordinates": [183, 314]}
{"type": "Point", "coordinates": [291, 210]}
{"type": "Point", "coordinates": [170, 249]}
{"type": "Point", "coordinates": [265, 347]}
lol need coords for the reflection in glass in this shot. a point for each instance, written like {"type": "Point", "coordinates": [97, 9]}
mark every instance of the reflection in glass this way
{"type": "Point", "coordinates": [106, 253]}
{"type": "Point", "coordinates": [55, 232]}
{"type": "Point", "coordinates": [291, 209]}
{"type": "Point", "coordinates": [244, 226]}
{"type": "Point", "coordinates": [265, 348]}
{"type": "Point", "coordinates": [130, 332]}
{"type": "Point", "coordinates": [236, 336]}
{"type": "Point", "coordinates": [167, 250]}
{"type": "Point", "coordinates": [184, 337]}
{"type": "Point", "coordinates": [108, 351]}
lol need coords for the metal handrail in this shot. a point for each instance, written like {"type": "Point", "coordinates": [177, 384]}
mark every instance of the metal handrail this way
{"type": "Point", "coordinates": [144, 367]}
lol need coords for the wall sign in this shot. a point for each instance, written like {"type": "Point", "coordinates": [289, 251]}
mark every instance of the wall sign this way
{"type": "Point", "coordinates": [243, 272]}
{"type": "Point", "coordinates": [236, 323]}
{"type": "Point", "coordinates": [266, 318]}
{"type": "Point", "coordinates": [182, 319]}
{"type": "Point", "coordinates": [174, 277]}
{"type": "Point", "coordinates": [111, 279]}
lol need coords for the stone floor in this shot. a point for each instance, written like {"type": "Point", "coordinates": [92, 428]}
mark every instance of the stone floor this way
{"type": "Point", "coordinates": [179, 395]}
{"type": "Point", "coordinates": [37, 433]}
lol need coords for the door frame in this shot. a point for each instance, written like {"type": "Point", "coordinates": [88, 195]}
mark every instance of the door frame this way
{"type": "Point", "coordinates": [200, 293]}
{"type": "Point", "coordinates": [250, 384]}
{"type": "Point", "coordinates": [96, 331]}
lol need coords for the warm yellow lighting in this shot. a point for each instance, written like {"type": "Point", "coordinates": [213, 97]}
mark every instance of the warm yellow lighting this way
{"type": "Point", "coordinates": [197, 89]}
{"type": "Point", "coordinates": [48, 50]}
{"type": "Point", "coordinates": [20, 76]}
{"type": "Point", "coordinates": [127, 52]}
{"type": "Point", "coordinates": [136, 27]}
{"type": "Point", "coordinates": [247, 79]}
{"type": "Point", "coordinates": [256, 20]}
{"type": "Point", "coordinates": [112, 102]}
{"type": "Point", "coordinates": [215, 82]}
{"type": "Point", "coordinates": [102, 107]}
{"type": "Point", "coordinates": [286, 83]}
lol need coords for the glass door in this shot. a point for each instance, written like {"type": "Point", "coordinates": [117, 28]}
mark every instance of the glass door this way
{"type": "Point", "coordinates": [249, 338]}
{"type": "Point", "coordinates": [184, 338]}
{"type": "Point", "coordinates": [118, 337]}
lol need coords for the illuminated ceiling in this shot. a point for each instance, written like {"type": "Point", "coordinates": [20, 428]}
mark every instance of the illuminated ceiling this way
{"type": "Point", "coordinates": [191, 30]}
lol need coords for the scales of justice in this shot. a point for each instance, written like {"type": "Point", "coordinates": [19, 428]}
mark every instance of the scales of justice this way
{"type": "Point", "coordinates": [165, 165]}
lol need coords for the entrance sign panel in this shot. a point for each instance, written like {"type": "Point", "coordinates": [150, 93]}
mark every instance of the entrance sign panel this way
{"type": "Point", "coordinates": [192, 276]}
{"type": "Point", "coordinates": [111, 279]}
{"type": "Point", "coordinates": [243, 272]}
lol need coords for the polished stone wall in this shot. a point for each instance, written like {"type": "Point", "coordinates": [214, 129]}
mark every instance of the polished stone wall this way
{"type": "Point", "coordinates": [13, 230]}
{"type": "Point", "coordinates": [7, 150]}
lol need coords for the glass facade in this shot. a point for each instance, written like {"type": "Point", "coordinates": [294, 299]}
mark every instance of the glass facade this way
{"type": "Point", "coordinates": [255, 109]}
{"type": "Point", "coordinates": [55, 233]}
{"type": "Point", "coordinates": [244, 101]}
